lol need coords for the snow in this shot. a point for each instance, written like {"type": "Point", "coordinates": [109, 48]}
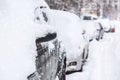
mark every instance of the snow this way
{"type": "Point", "coordinates": [17, 38]}
{"type": "Point", "coordinates": [90, 28]}
{"type": "Point", "coordinates": [18, 33]}
{"type": "Point", "coordinates": [100, 64]}
{"type": "Point", "coordinates": [69, 31]}
{"type": "Point", "coordinates": [103, 62]}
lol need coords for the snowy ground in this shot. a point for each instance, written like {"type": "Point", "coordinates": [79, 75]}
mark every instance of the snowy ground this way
{"type": "Point", "coordinates": [104, 60]}
{"type": "Point", "coordinates": [17, 44]}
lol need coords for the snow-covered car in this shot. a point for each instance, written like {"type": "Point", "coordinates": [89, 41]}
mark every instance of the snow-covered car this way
{"type": "Point", "coordinates": [69, 30]}
{"type": "Point", "coordinates": [48, 50]}
{"type": "Point", "coordinates": [96, 29]}
{"type": "Point", "coordinates": [108, 25]}
{"type": "Point", "coordinates": [28, 49]}
{"type": "Point", "coordinates": [49, 53]}
{"type": "Point", "coordinates": [104, 26]}
{"type": "Point", "coordinates": [91, 30]}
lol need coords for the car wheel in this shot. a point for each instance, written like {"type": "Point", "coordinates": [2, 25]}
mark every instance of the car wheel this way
{"type": "Point", "coordinates": [84, 59]}
{"type": "Point", "coordinates": [62, 72]}
{"type": "Point", "coordinates": [87, 54]}
{"type": "Point", "coordinates": [81, 69]}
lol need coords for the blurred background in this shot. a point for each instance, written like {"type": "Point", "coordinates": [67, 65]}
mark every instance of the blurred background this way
{"type": "Point", "coordinates": [101, 8]}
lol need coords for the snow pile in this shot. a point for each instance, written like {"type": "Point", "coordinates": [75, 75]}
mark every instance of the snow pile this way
{"type": "Point", "coordinates": [19, 31]}
{"type": "Point", "coordinates": [17, 39]}
{"type": "Point", "coordinates": [104, 60]}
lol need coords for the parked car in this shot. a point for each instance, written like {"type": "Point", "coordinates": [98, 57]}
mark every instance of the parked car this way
{"type": "Point", "coordinates": [92, 29]}
{"type": "Point", "coordinates": [69, 28]}
{"type": "Point", "coordinates": [48, 53]}
{"type": "Point", "coordinates": [51, 58]}
{"type": "Point", "coordinates": [69, 31]}
{"type": "Point", "coordinates": [108, 25]}
{"type": "Point", "coordinates": [104, 26]}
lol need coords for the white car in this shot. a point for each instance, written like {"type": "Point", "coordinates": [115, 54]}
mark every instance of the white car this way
{"type": "Point", "coordinates": [108, 25]}
{"type": "Point", "coordinates": [69, 29]}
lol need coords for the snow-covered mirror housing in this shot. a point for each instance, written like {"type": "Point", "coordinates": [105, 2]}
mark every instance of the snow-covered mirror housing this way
{"type": "Point", "coordinates": [39, 3]}
{"type": "Point", "coordinates": [41, 15]}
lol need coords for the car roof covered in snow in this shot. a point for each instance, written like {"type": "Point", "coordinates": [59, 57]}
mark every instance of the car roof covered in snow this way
{"type": "Point", "coordinates": [69, 31]}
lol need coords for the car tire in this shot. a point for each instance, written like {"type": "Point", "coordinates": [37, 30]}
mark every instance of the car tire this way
{"type": "Point", "coordinates": [62, 72]}
{"type": "Point", "coordinates": [81, 69]}
{"type": "Point", "coordinates": [87, 54]}
{"type": "Point", "coordinates": [84, 59]}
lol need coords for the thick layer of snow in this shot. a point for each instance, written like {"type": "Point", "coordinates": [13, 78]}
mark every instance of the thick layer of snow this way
{"type": "Point", "coordinates": [17, 42]}
{"type": "Point", "coordinates": [69, 31]}
{"type": "Point", "coordinates": [107, 24]}
{"type": "Point", "coordinates": [90, 28]}
{"type": "Point", "coordinates": [104, 60]}
{"type": "Point", "coordinates": [18, 32]}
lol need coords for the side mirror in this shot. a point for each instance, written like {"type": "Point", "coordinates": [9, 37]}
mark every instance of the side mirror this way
{"type": "Point", "coordinates": [48, 37]}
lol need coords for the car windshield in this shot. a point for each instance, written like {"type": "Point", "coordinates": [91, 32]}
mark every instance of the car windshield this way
{"type": "Point", "coordinates": [87, 18]}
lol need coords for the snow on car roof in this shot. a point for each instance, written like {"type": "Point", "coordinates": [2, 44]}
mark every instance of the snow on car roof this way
{"type": "Point", "coordinates": [69, 31]}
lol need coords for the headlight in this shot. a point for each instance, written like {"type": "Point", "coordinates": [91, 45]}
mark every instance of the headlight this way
{"type": "Point", "coordinates": [72, 63]}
